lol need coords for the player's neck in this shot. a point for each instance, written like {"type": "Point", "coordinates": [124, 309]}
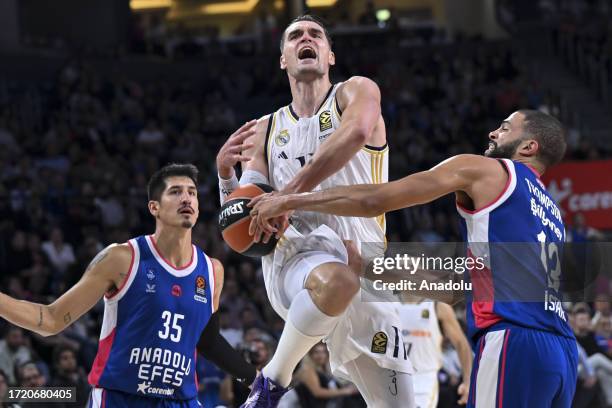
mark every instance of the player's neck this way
{"type": "Point", "coordinates": [534, 165]}
{"type": "Point", "coordinates": [174, 244]}
{"type": "Point", "coordinates": [308, 95]}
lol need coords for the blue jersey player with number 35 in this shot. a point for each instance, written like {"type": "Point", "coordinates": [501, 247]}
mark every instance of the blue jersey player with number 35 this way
{"type": "Point", "coordinates": [160, 296]}
{"type": "Point", "coordinates": [525, 351]}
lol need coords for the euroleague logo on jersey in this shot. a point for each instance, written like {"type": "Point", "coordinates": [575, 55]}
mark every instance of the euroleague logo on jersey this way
{"type": "Point", "coordinates": [200, 289]}
{"type": "Point", "coordinates": [325, 121]}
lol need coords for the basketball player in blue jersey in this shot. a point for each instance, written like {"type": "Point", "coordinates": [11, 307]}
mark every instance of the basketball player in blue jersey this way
{"type": "Point", "coordinates": [160, 293]}
{"type": "Point", "coordinates": [329, 135]}
{"type": "Point", "coordinates": [525, 350]}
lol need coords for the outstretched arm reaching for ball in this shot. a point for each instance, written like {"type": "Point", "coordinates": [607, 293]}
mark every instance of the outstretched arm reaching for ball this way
{"type": "Point", "coordinates": [477, 180]}
{"type": "Point", "coordinates": [107, 270]}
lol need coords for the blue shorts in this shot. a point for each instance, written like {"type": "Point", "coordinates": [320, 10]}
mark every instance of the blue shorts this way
{"type": "Point", "coordinates": [103, 398]}
{"type": "Point", "coordinates": [517, 367]}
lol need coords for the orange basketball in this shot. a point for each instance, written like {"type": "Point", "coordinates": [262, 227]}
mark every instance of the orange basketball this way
{"type": "Point", "coordinates": [234, 220]}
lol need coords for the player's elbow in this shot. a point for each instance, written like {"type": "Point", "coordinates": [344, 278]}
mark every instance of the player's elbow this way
{"type": "Point", "coordinates": [49, 326]}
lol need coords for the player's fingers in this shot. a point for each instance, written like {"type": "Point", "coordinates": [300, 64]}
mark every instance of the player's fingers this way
{"type": "Point", "coordinates": [252, 225]}
{"type": "Point", "coordinates": [266, 237]}
{"type": "Point", "coordinates": [239, 148]}
{"type": "Point", "coordinates": [242, 128]}
{"type": "Point", "coordinates": [242, 136]}
{"type": "Point", "coordinates": [283, 226]}
{"type": "Point", "coordinates": [241, 158]}
{"type": "Point", "coordinates": [254, 202]}
{"type": "Point", "coordinates": [258, 231]}
{"type": "Point", "coordinates": [463, 393]}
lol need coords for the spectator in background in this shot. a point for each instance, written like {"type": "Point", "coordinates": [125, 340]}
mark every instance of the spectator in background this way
{"type": "Point", "coordinates": [13, 352]}
{"type": "Point", "coordinates": [594, 361]}
{"type": "Point", "coordinates": [317, 387]}
{"type": "Point", "coordinates": [28, 375]}
{"type": "Point", "coordinates": [602, 308]}
{"type": "Point", "coordinates": [587, 389]}
{"type": "Point", "coordinates": [257, 351]}
{"type": "Point", "coordinates": [580, 232]}
{"type": "Point", "coordinates": [69, 374]}
{"type": "Point", "coordinates": [581, 324]}
{"type": "Point", "coordinates": [151, 135]}
{"type": "Point", "coordinates": [60, 253]}
{"type": "Point", "coordinates": [4, 390]}
{"type": "Point", "coordinates": [603, 334]}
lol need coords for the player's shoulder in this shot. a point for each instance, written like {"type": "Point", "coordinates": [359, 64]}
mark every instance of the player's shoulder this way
{"type": "Point", "coordinates": [112, 260]}
{"type": "Point", "coordinates": [263, 123]}
{"type": "Point", "coordinates": [473, 163]}
{"type": "Point", "coordinates": [356, 85]}
{"type": "Point", "coordinates": [357, 82]}
{"type": "Point", "coordinates": [120, 252]}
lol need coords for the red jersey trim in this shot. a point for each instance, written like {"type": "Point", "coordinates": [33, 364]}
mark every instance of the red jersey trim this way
{"type": "Point", "coordinates": [178, 268]}
{"type": "Point", "coordinates": [508, 183]}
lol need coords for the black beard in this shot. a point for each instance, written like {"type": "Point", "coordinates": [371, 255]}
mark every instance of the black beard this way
{"type": "Point", "coordinates": [187, 224]}
{"type": "Point", "coordinates": [503, 152]}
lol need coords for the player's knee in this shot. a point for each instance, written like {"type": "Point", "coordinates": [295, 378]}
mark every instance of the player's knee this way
{"type": "Point", "coordinates": [342, 282]}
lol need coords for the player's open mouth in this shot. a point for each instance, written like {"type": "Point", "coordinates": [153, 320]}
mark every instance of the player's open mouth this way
{"type": "Point", "coordinates": [307, 53]}
{"type": "Point", "coordinates": [186, 210]}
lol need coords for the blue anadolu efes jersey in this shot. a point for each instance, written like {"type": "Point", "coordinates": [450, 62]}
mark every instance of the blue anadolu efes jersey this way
{"type": "Point", "coordinates": [520, 236]}
{"type": "Point", "coordinates": [152, 325]}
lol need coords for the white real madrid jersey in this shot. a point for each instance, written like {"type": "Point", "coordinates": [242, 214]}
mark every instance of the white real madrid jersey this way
{"type": "Point", "coordinates": [422, 335]}
{"type": "Point", "coordinates": [290, 144]}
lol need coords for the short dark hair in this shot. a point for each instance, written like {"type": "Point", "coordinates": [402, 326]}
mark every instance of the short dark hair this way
{"type": "Point", "coordinates": [157, 182]}
{"type": "Point", "coordinates": [549, 133]}
{"type": "Point", "coordinates": [308, 17]}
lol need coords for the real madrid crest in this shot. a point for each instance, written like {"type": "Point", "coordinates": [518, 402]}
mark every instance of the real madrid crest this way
{"type": "Point", "coordinates": [282, 138]}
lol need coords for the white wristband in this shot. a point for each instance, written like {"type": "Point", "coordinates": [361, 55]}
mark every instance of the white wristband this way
{"type": "Point", "coordinates": [227, 186]}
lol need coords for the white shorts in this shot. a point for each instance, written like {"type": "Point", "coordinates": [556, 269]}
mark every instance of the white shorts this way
{"type": "Point", "coordinates": [381, 387]}
{"type": "Point", "coordinates": [371, 328]}
{"type": "Point", "coordinates": [426, 389]}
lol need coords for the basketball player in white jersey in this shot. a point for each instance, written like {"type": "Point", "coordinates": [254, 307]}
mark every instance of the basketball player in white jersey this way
{"type": "Point", "coordinates": [425, 324]}
{"type": "Point", "coordinates": [329, 135]}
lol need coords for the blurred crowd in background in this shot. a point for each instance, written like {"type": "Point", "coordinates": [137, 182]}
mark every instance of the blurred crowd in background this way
{"type": "Point", "coordinates": [76, 153]}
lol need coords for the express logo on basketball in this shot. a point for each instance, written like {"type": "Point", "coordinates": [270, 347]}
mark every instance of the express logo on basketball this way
{"type": "Point", "coordinates": [236, 208]}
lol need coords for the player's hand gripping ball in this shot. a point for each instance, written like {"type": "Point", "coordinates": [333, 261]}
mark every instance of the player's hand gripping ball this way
{"type": "Point", "coordinates": [234, 220]}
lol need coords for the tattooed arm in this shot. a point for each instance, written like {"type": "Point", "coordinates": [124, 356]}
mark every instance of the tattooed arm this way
{"type": "Point", "coordinates": [107, 270]}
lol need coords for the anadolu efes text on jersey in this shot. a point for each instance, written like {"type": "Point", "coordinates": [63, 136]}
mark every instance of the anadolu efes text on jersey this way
{"type": "Point", "coordinates": [520, 236]}
{"type": "Point", "coordinates": [152, 325]}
